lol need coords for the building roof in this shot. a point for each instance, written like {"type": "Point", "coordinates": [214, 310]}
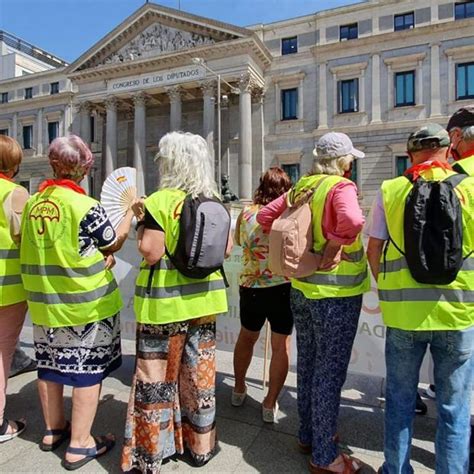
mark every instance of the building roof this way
{"type": "Point", "coordinates": [31, 50]}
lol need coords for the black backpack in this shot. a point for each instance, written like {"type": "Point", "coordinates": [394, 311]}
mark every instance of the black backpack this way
{"type": "Point", "coordinates": [433, 227]}
{"type": "Point", "coordinates": [203, 233]}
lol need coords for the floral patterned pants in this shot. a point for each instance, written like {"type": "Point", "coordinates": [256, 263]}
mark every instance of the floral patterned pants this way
{"type": "Point", "coordinates": [325, 332]}
{"type": "Point", "coordinates": [172, 401]}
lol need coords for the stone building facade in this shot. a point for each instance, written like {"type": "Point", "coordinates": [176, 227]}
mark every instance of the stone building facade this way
{"type": "Point", "coordinates": [375, 70]}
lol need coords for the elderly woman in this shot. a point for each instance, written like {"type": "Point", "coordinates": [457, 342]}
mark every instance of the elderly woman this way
{"type": "Point", "coordinates": [172, 401]}
{"type": "Point", "coordinates": [263, 296]}
{"type": "Point", "coordinates": [12, 294]}
{"type": "Point", "coordinates": [326, 305]}
{"type": "Point", "coordinates": [73, 299]}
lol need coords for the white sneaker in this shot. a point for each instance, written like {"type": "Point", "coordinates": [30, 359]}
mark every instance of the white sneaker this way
{"type": "Point", "coordinates": [431, 391]}
{"type": "Point", "coordinates": [238, 398]}
{"type": "Point", "coordinates": [269, 415]}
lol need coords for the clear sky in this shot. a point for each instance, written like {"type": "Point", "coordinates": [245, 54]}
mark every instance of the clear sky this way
{"type": "Point", "coordinates": [67, 28]}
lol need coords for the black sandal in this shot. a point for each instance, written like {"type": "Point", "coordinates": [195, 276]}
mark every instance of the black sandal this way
{"type": "Point", "coordinates": [63, 434]}
{"type": "Point", "coordinates": [4, 436]}
{"type": "Point", "coordinates": [89, 453]}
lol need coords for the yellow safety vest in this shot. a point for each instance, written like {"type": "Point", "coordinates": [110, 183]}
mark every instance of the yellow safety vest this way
{"type": "Point", "coordinates": [11, 287]}
{"type": "Point", "coordinates": [465, 166]}
{"type": "Point", "coordinates": [407, 304]}
{"type": "Point", "coordinates": [63, 288]}
{"type": "Point", "coordinates": [170, 296]}
{"type": "Point", "coordinates": [349, 278]}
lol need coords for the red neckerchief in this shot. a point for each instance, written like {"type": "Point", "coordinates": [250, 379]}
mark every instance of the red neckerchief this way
{"type": "Point", "coordinates": [65, 183]}
{"type": "Point", "coordinates": [2, 176]}
{"type": "Point", "coordinates": [416, 170]}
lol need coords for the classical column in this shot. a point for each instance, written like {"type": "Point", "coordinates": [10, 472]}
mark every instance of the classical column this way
{"type": "Point", "coordinates": [245, 155]}
{"type": "Point", "coordinates": [85, 116]}
{"type": "Point", "coordinates": [435, 109]}
{"type": "Point", "coordinates": [391, 87]}
{"type": "Point", "coordinates": [323, 99]}
{"type": "Point", "coordinates": [67, 119]}
{"type": "Point", "coordinates": [139, 147]}
{"type": "Point", "coordinates": [14, 130]}
{"type": "Point", "coordinates": [376, 113]}
{"type": "Point", "coordinates": [39, 132]}
{"type": "Point", "coordinates": [111, 135]}
{"type": "Point", "coordinates": [174, 94]}
{"type": "Point", "coordinates": [208, 122]}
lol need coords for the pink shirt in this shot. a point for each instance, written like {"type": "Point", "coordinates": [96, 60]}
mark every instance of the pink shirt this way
{"type": "Point", "coordinates": [342, 217]}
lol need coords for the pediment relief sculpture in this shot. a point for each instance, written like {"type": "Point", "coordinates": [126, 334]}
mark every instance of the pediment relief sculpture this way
{"type": "Point", "coordinates": [155, 40]}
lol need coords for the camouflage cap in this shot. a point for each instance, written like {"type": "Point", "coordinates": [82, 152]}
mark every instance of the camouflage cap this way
{"type": "Point", "coordinates": [428, 137]}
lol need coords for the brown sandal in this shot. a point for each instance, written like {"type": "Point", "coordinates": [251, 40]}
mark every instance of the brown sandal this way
{"type": "Point", "coordinates": [351, 466]}
{"type": "Point", "coordinates": [306, 448]}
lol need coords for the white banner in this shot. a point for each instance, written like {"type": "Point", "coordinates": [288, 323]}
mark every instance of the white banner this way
{"type": "Point", "coordinates": [367, 354]}
{"type": "Point", "coordinates": [157, 79]}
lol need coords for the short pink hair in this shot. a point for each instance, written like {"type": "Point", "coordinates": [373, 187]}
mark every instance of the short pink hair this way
{"type": "Point", "coordinates": [70, 157]}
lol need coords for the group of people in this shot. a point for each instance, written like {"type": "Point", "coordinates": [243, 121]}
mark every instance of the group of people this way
{"type": "Point", "coordinates": [56, 252]}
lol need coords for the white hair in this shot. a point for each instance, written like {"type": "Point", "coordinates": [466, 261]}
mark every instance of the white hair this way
{"type": "Point", "coordinates": [332, 166]}
{"type": "Point", "coordinates": [468, 133]}
{"type": "Point", "coordinates": [185, 163]}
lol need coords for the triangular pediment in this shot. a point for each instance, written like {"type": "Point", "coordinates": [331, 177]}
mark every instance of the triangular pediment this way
{"type": "Point", "coordinates": [152, 31]}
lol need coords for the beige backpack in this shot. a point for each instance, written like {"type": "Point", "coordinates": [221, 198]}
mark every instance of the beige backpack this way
{"type": "Point", "coordinates": [291, 240]}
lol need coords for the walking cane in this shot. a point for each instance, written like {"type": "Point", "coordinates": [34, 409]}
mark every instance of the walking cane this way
{"type": "Point", "coordinates": [265, 356]}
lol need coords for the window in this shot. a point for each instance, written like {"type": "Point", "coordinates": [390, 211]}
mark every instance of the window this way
{"type": "Point", "coordinates": [465, 81]}
{"type": "Point", "coordinates": [404, 88]}
{"type": "Point", "coordinates": [28, 92]}
{"type": "Point", "coordinates": [464, 10]}
{"type": "Point", "coordinates": [289, 104]}
{"type": "Point", "coordinates": [353, 176]}
{"type": "Point", "coordinates": [348, 32]}
{"type": "Point", "coordinates": [348, 96]}
{"type": "Point", "coordinates": [53, 131]}
{"type": "Point", "coordinates": [54, 88]}
{"type": "Point", "coordinates": [92, 125]}
{"type": "Point", "coordinates": [402, 163]}
{"type": "Point", "coordinates": [289, 45]}
{"type": "Point", "coordinates": [405, 21]}
{"type": "Point", "coordinates": [25, 184]}
{"type": "Point", "coordinates": [28, 137]}
{"type": "Point", "coordinates": [293, 171]}
{"type": "Point", "coordinates": [4, 131]}
{"type": "Point", "coordinates": [4, 97]}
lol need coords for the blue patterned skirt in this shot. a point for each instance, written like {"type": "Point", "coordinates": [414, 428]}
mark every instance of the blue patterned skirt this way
{"type": "Point", "coordinates": [79, 356]}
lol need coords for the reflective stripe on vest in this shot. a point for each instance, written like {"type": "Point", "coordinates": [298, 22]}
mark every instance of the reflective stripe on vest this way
{"type": "Point", "coordinates": [61, 298]}
{"type": "Point", "coordinates": [350, 277]}
{"type": "Point", "coordinates": [407, 304]}
{"type": "Point", "coordinates": [9, 254]}
{"type": "Point", "coordinates": [11, 286]}
{"type": "Point", "coordinates": [180, 290]}
{"type": "Point", "coordinates": [56, 270]}
{"type": "Point", "coordinates": [401, 264]}
{"type": "Point", "coordinates": [340, 280]}
{"type": "Point", "coordinates": [63, 288]}
{"type": "Point", "coordinates": [162, 294]}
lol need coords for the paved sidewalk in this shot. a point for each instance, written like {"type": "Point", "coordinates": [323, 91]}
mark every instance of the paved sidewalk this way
{"type": "Point", "coordinates": [246, 443]}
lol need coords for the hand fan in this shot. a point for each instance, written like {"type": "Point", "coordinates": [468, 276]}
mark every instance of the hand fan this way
{"type": "Point", "coordinates": [118, 192]}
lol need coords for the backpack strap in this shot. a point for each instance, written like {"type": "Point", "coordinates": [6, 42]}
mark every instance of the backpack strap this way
{"type": "Point", "coordinates": [456, 179]}
{"type": "Point", "coordinates": [226, 282]}
{"type": "Point", "coordinates": [307, 194]}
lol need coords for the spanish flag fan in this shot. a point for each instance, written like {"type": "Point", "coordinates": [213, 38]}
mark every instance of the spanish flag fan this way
{"type": "Point", "coordinates": [118, 193]}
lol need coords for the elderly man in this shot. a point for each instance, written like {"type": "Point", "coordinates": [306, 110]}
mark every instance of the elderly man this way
{"type": "Point", "coordinates": [425, 307]}
{"type": "Point", "coordinates": [461, 133]}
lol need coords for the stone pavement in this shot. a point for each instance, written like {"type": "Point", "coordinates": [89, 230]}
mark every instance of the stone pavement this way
{"type": "Point", "coordinates": [246, 443]}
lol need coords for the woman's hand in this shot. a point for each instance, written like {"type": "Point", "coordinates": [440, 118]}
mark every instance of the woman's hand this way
{"type": "Point", "coordinates": [138, 208]}
{"type": "Point", "coordinates": [332, 256]}
{"type": "Point", "coordinates": [109, 261]}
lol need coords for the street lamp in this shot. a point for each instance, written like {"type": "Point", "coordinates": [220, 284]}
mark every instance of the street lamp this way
{"type": "Point", "coordinates": [202, 62]}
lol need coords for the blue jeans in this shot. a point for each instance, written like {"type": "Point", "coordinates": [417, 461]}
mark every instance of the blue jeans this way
{"type": "Point", "coordinates": [404, 352]}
